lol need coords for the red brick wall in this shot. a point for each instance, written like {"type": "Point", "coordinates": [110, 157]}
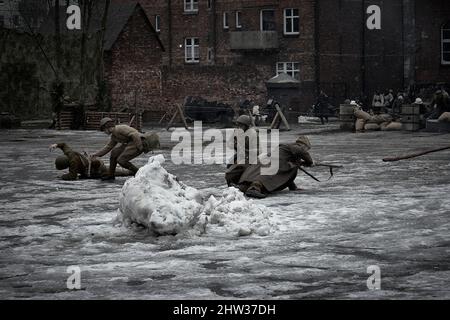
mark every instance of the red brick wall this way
{"type": "Point", "coordinates": [135, 66]}
{"type": "Point", "coordinates": [232, 75]}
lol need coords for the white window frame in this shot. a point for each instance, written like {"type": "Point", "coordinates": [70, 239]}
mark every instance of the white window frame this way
{"type": "Point", "coordinates": [238, 20]}
{"type": "Point", "coordinates": [292, 17]}
{"type": "Point", "coordinates": [293, 72]}
{"type": "Point", "coordinates": [261, 18]}
{"type": "Point", "coordinates": [191, 50]}
{"type": "Point", "coordinates": [226, 24]}
{"type": "Point", "coordinates": [157, 23]}
{"type": "Point", "coordinates": [190, 5]}
{"type": "Point", "coordinates": [445, 28]}
{"type": "Point", "coordinates": [210, 55]}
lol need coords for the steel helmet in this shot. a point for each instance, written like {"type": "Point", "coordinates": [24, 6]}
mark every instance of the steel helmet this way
{"type": "Point", "coordinates": [304, 140]}
{"type": "Point", "coordinates": [62, 162]}
{"type": "Point", "coordinates": [245, 120]}
{"type": "Point", "coordinates": [104, 122]}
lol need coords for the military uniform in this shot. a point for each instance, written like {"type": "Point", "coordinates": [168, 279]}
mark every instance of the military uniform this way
{"type": "Point", "coordinates": [79, 165]}
{"type": "Point", "coordinates": [290, 157]}
{"type": "Point", "coordinates": [235, 170]}
{"type": "Point", "coordinates": [132, 144]}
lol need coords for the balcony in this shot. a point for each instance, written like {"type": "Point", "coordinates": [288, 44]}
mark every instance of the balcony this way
{"type": "Point", "coordinates": [253, 40]}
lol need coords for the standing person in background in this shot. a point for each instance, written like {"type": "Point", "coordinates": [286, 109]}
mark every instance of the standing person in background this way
{"type": "Point", "coordinates": [397, 106]}
{"type": "Point", "coordinates": [389, 99]}
{"type": "Point", "coordinates": [440, 104]}
{"type": "Point", "coordinates": [377, 101]}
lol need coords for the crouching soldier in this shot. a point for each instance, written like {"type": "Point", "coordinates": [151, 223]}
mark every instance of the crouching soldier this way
{"type": "Point", "coordinates": [291, 156]}
{"type": "Point", "coordinates": [245, 140]}
{"type": "Point", "coordinates": [132, 144]}
{"type": "Point", "coordinates": [79, 165]}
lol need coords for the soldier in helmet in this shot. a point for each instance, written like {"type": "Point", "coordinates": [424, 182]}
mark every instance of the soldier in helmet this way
{"type": "Point", "coordinates": [247, 135]}
{"type": "Point", "coordinates": [291, 156]}
{"type": "Point", "coordinates": [80, 165]}
{"type": "Point", "coordinates": [130, 143]}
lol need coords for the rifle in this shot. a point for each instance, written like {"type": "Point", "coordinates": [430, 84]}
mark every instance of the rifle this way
{"type": "Point", "coordinates": [414, 155]}
{"type": "Point", "coordinates": [319, 164]}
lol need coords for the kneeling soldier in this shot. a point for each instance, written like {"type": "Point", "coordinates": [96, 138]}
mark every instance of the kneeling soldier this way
{"type": "Point", "coordinates": [132, 144]}
{"type": "Point", "coordinates": [291, 156]}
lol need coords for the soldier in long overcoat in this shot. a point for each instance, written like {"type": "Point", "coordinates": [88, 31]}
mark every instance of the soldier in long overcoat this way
{"type": "Point", "coordinates": [291, 156]}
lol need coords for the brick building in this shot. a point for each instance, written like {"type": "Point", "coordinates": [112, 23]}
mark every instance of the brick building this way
{"type": "Point", "coordinates": [354, 61]}
{"type": "Point", "coordinates": [227, 50]}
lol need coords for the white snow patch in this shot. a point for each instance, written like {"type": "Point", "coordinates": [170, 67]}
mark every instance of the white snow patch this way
{"type": "Point", "coordinates": [158, 201]}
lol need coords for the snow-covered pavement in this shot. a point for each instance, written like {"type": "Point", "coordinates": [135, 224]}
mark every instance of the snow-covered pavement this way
{"type": "Point", "coordinates": [392, 215]}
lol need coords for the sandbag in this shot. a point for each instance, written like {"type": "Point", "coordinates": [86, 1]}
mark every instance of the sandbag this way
{"type": "Point", "coordinates": [394, 126]}
{"type": "Point", "coordinates": [359, 125]}
{"type": "Point", "coordinates": [384, 125]}
{"type": "Point", "coordinates": [372, 127]}
{"type": "Point", "coordinates": [445, 117]}
{"type": "Point", "coordinates": [362, 115]}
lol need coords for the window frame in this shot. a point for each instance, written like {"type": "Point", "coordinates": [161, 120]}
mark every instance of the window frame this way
{"type": "Point", "coordinates": [225, 21]}
{"type": "Point", "coordinates": [192, 50]}
{"type": "Point", "coordinates": [445, 28]}
{"type": "Point", "coordinates": [191, 6]}
{"type": "Point", "coordinates": [292, 17]}
{"type": "Point", "coordinates": [238, 20]}
{"type": "Point", "coordinates": [157, 23]}
{"type": "Point", "coordinates": [261, 24]}
{"type": "Point", "coordinates": [292, 72]}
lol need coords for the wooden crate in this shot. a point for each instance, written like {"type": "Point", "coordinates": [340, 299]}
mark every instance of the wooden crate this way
{"type": "Point", "coordinates": [64, 120]}
{"type": "Point", "coordinates": [92, 120]}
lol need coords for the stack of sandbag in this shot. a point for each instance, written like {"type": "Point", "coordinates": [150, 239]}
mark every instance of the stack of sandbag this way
{"type": "Point", "coordinates": [445, 117]}
{"type": "Point", "coordinates": [391, 126]}
{"type": "Point", "coordinates": [361, 118]}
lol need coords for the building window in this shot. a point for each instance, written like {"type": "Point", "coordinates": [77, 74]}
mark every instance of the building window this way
{"type": "Point", "coordinates": [445, 37]}
{"type": "Point", "coordinates": [2, 21]}
{"type": "Point", "coordinates": [158, 23]}
{"type": "Point", "coordinates": [225, 20]}
{"type": "Point", "coordinates": [191, 5]}
{"type": "Point", "coordinates": [268, 20]}
{"type": "Point", "coordinates": [290, 68]}
{"type": "Point", "coordinates": [209, 4]}
{"type": "Point", "coordinates": [210, 55]}
{"type": "Point", "coordinates": [192, 50]}
{"type": "Point", "coordinates": [291, 21]}
{"type": "Point", "coordinates": [238, 20]}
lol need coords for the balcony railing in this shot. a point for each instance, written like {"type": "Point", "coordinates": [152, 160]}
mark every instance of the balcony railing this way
{"type": "Point", "coordinates": [254, 40]}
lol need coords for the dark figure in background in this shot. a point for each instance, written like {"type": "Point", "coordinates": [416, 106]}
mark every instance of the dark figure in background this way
{"type": "Point", "coordinates": [57, 98]}
{"type": "Point", "coordinates": [439, 105]}
{"type": "Point", "coordinates": [322, 107]}
{"type": "Point", "coordinates": [389, 99]}
{"type": "Point", "coordinates": [396, 109]}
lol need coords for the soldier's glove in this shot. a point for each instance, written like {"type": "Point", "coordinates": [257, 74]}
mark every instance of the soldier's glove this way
{"type": "Point", "coordinates": [53, 147]}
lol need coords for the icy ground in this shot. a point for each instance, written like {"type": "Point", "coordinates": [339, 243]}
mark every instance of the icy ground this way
{"type": "Point", "coordinates": [395, 216]}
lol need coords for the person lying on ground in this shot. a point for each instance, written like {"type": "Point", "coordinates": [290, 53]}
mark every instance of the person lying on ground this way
{"type": "Point", "coordinates": [81, 166]}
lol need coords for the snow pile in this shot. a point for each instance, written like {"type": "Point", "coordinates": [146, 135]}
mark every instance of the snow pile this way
{"type": "Point", "coordinates": [157, 200]}
{"type": "Point", "coordinates": [233, 213]}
